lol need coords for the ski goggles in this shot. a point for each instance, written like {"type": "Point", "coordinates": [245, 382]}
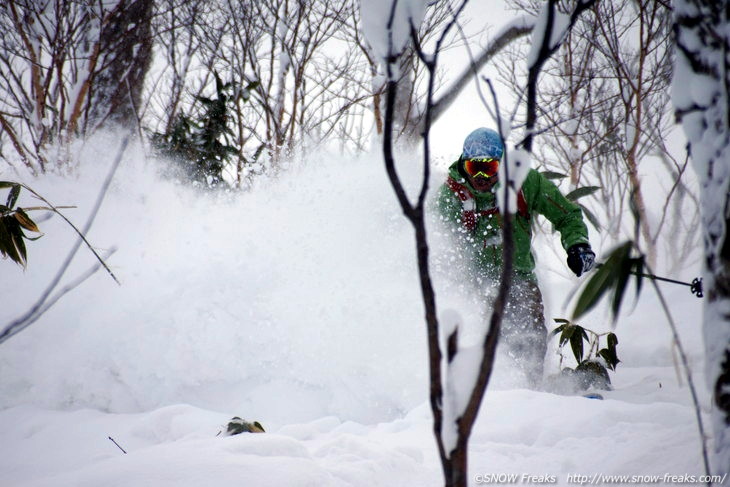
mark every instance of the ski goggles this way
{"type": "Point", "coordinates": [481, 166]}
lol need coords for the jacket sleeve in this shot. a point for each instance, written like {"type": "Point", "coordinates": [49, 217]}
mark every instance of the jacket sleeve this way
{"type": "Point", "coordinates": [449, 205]}
{"type": "Point", "coordinates": [545, 198]}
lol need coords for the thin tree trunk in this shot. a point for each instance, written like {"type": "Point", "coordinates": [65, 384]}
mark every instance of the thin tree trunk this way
{"type": "Point", "coordinates": [639, 206]}
{"type": "Point", "coordinates": [126, 44]}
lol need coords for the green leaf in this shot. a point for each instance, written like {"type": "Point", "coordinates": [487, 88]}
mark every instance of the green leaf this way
{"type": "Point", "coordinates": [33, 239]}
{"type": "Point", "coordinates": [610, 357]}
{"type": "Point", "coordinates": [11, 240]}
{"type": "Point", "coordinates": [612, 341]}
{"type": "Point", "coordinates": [602, 281]}
{"type": "Point", "coordinates": [576, 342]}
{"type": "Point", "coordinates": [593, 291]}
{"type": "Point", "coordinates": [576, 345]}
{"type": "Point", "coordinates": [13, 196]}
{"type": "Point", "coordinates": [557, 330]}
{"type": "Point", "coordinates": [236, 426]}
{"type": "Point", "coordinates": [627, 266]}
{"type": "Point", "coordinates": [622, 279]}
{"type": "Point", "coordinates": [560, 320]}
{"type": "Point", "coordinates": [591, 217]}
{"type": "Point", "coordinates": [639, 273]}
{"type": "Point", "coordinates": [20, 247]}
{"type": "Point", "coordinates": [581, 192]}
{"type": "Point", "coordinates": [606, 356]}
{"type": "Point", "coordinates": [566, 335]}
{"type": "Point", "coordinates": [25, 221]}
{"type": "Point", "coordinates": [7, 249]}
{"type": "Point", "coordinates": [6, 184]}
{"type": "Point", "coordinates": [609, 353]}
{"type": "Point", "coordinates": [613, 275]}
{"type": "Point", "coordinates": [553, 175]}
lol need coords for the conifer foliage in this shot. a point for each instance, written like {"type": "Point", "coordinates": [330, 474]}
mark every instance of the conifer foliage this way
{"type": "Point", "coordinates": [203, 145]}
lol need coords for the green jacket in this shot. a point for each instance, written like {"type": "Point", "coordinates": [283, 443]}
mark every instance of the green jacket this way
{"type": "Point", "coordinates": [475, 217]}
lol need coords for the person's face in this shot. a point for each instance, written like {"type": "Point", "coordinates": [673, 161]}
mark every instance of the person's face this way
{"type": "Point", "coordinates": [482, 173]}
{"type": "Point", "coordinates": [482, 183]}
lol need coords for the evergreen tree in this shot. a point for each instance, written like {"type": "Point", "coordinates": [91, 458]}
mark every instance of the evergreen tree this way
{"type": "Point", "coordinates": [203, 145]}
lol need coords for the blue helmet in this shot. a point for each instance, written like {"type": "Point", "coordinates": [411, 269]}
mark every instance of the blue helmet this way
{"type": "Point", "coordinates": [483, 143]}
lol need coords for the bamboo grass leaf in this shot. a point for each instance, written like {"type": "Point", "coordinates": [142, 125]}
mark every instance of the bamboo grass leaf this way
{"type": "Point", "coordinates": [7, 248]}
{"type": "Point", "coordinates": [567, 334]}
{"type": "Point", "coordinates": [557, 330]}
{"type": "Point", "coordinates": [591, 217]}
{"type": "Point", "coordinates": [576, 342]}
{"type": "Point", "coordinates": [17, 238]}
{"type": "Point", "coordinates": [25, 221]}
{"type": "Point", "coordinates": [612, 341]}
{"type": "Point", "coordinates": [553, 175]}
{"type": "Point", "coordinates": [598, 284]}
{"type": "Point", "coordinates": [605, 278]}
{"type": "Point", "coordinates": [13, 196]}
{"type": "Point", "coordinates": [10, 235]}
{"type": "Point", "coordinates": [622, 279]}
{"type": "Point", "coordinates": [639, 274]}
{"type": "Point", "coordinates": [581, 192]}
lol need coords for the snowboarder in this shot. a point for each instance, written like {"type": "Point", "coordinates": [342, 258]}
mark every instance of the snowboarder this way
{"type": "Point", "coordinates": [468, 204]}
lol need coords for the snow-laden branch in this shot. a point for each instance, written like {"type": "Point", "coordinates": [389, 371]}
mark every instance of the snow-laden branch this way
{"type": "Point", "coordinates": [387, 26]}
{"type": "Point", "coordinates": [701, 96]}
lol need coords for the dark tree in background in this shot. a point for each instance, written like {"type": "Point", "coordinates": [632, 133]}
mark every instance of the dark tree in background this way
{"type": "Point", "coordinates": [203, 145]}
{"type": "Point", "coordinates": [66, 69]}
{"type": "Point", "coordinates": [126, 46]}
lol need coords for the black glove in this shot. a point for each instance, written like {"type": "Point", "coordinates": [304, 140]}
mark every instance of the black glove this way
{"type": "Point", "coordinates": [580, 258]}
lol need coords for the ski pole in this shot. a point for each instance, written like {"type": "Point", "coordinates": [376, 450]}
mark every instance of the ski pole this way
{"type": "Point", "coordinates": [695, 286]}
{"type": "Point", "coordinates": [117, 445]}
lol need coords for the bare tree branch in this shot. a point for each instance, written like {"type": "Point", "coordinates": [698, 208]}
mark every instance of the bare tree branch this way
{"type": "Point", "coordinates": [515, 31]}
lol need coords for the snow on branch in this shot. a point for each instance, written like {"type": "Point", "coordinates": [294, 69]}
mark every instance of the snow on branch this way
{"type": "Point", "coordinates": [701, 96]}
{"type": "Point", "coordinates": [387, 25]}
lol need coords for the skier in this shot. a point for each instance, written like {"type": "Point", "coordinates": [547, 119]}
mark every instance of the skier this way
{"type": "Point", "coordinates": [468, 204]}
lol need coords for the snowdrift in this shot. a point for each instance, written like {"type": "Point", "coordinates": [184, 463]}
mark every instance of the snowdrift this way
{"type": "Point", "coordinates": [295, 304]}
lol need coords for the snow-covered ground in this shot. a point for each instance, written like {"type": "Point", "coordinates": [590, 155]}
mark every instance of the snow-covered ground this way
{"type": "Point", "coordinates": [296, 305]}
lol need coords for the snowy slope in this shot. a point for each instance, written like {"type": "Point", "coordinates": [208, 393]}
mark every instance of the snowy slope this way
{"type": "Point", "coordinates": [295, 305]}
